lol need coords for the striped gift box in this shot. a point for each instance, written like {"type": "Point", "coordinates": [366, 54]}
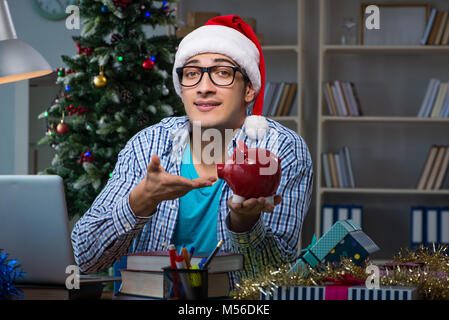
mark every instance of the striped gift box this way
{"type": "Point", "coordinates": [354, 293]}
{"type": "Point", "coordinates": [383, 293]}
{"type": "Point", "coordinates": [296, 293]}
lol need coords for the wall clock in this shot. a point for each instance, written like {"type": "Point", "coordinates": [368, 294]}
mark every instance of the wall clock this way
{"type": "Point", "coordinates": [52, 9]}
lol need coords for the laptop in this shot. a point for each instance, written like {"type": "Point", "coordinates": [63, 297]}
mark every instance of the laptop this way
{"type": "Point", "coordinates": [34, 229]}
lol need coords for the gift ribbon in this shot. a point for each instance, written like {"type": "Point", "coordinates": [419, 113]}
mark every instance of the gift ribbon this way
{"type": "Point", "coordinates": [337, 288]}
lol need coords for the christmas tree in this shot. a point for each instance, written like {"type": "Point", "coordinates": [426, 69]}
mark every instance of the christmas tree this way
{"type": "Point", "coordinates": [119, 83]}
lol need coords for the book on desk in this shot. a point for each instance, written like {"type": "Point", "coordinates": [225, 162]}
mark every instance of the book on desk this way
{"type": "Point", "coordinates": [144, 278]}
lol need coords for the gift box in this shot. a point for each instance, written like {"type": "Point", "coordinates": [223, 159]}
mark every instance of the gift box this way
{"type": "Point", "coordinates": [343, 239]}
{"type": "Point", "coordinates": [352, 293]}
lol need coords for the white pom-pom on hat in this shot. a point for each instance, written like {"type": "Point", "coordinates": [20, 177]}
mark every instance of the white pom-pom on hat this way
{"type": "Point", "coordinates": [256, 127]}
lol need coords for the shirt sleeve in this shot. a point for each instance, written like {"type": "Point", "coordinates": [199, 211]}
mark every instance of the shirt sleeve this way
{"type": "Point", "coordinates": [274, 239]}
{"type": "Point", "coordinates": [105, 232]}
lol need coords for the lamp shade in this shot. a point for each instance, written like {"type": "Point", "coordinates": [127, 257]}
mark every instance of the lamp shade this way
{"type": "Point", "coordinates": [18, 60]}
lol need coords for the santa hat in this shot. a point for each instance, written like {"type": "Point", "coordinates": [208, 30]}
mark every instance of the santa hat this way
{"type": "Point", "coordinates": [230, 36]}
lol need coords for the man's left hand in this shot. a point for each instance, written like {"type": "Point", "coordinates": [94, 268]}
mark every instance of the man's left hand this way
{"type": "Point", "coordinates": [244, 215]}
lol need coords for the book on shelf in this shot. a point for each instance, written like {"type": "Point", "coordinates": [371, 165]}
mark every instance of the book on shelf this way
{"type": "Point", "coordinates": [425, 109]}
{"type": "Point", "coordinates": [279, 98]}
{"type": "Point", "coordinates": [290, 99]}
{"type": "Point", "coordinates": [430, 184]}
{"type": "Point", "coordinates": [441, 27]}
{"type": "Point", "coordinates": [341, 98]}
{"type": "Point", "coordinates": [344, 174]}
{"type": "Point", "coordinates": [442, 92]}
{"type": "Point", "coordinates": [428, 226]}
{"type": "Point", "coordinates": [156, 260]}
{"type": "Point", "coordinates": [330, 214]}
{"type": "Point", "coordinates": [429, 25]}
{"type": "Point", "coordinates": [329, 97]}
{"type": "Point", "coordinates": [434, 30]}
{"type": "Point", "coordinates": [435, 168]}
{"type": "Point", "coordinates": [442, 170]}
{"type": "Point", "coordinates": [445, 37]}
{"type": "Point", "coordinates": [436, 100]}
{"type": "Point", "coordinates": [333, 170]}
{"type": "Point", "coordinates": [268, 89]}
{"type": "Point", "coordinates": [276, 99]}
{"type": "Point", "coordinates": [337, 168]}
{"type": "Point", "coordinates": [282, 99]}
{"type": "Point", "coordinates": [348, 163]}
{"type": "Point", "coordinates": [427, 167]}
{"type": "Point", "coordinates": [150, 285]}
{"type": "Point", "coordinates": [437, 28]}
{"type": "Point", "coordinates": [339, 173]}
{"type": "Point", "coordinates": [326, 169]}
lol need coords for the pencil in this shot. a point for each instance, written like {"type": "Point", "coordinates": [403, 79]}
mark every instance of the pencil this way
{"type": "Point", "coordinates": [212, 255]}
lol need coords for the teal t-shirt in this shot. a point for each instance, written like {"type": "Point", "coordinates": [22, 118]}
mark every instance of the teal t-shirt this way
{"type": "Point", "coordinates": [197, 217]}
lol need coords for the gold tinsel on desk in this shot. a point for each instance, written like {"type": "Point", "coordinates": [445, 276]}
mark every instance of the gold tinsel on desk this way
{"type": "Point", "coordinates": [427, 269]}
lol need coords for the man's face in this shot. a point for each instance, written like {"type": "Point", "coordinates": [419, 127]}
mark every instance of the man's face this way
{"type": "Point", "coordinates": [219, 107]}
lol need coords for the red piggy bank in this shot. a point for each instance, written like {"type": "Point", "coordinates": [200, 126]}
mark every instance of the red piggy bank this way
{"type": "Point", "coordinates": [251, 173]}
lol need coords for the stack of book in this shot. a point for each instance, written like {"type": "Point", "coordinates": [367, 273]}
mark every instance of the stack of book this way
{"type": "Point", "coordinates": [435, 168]}
{"type": "Point", "coordinates": [279, 98]}
{"type": "Point", "coordinates": [341, 98]}
{"type": "Point", "coordinates": [330, 214]}
{"type": "Point", "coordinates": [436, 100]}
{"type": "Point", "coordinates": [143, 277]}
{"type": "Point", "coordinates": [437, 29]}
{"type": "Point", "coordinates": [337, 167]}
{"type": "Point", "coordinates": [429, 225]}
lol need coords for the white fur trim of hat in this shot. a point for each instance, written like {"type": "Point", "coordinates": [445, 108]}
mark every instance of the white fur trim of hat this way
{"type": "Point", "coordinates": [222, 40]}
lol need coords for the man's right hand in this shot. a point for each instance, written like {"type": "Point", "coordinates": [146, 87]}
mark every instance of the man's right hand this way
{"type": "Point", "coordinates": [159, 185]}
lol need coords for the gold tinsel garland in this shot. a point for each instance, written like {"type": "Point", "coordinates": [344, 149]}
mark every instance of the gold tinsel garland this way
{"type": "Point", "coordinates": [423, 268]}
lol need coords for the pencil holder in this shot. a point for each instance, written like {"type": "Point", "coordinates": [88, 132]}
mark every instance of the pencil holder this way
{"type": "Point", "coordinates": [185, 284]}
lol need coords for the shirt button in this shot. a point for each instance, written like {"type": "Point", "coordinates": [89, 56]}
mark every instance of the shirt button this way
{"type": "Point", "coordinates": [127, 225]}
{"type": "Point", "coordinates": [172, 206]}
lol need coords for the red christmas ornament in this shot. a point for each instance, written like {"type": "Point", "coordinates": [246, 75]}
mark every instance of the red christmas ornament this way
{"type": "Point", "coordinates": [62, 128]}
{"type": "Point", "coordinates": [148, 64]}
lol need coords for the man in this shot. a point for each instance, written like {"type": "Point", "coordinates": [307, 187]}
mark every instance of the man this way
{"type": "Point", "coordinates": [165, 190]}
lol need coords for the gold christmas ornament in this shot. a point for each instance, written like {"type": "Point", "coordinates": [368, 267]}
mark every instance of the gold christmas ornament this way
{"type": "Point", "coordinates": [100, 80]}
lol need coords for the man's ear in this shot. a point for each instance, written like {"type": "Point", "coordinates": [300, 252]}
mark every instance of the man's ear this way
{"type": "Point", "coordinates": [250, 93]}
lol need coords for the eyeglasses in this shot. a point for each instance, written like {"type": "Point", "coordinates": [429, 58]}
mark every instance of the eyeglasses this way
{"type": "Point", "coordinates": [190, 76]}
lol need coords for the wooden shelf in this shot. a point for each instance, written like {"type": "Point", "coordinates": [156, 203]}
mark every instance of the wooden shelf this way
{"type": "Point", "coordinates": [382, 119]}
{"type": "Point", "coordinates": [286, 48]}
{"type": "Point", "coordinates": [384, 191]}
{"type": "Point", "coordinates": [383, 49]}
{"type": "Point", "coordinates": [285, 118]}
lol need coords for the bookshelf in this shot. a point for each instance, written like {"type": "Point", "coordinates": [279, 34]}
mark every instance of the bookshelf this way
{"type": "Point", "coordinates": [389, 143]}
{"type": "Point", "coordinates": [283, 44]}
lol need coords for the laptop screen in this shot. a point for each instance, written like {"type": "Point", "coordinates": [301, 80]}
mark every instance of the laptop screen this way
{"type": "Point", "coordinates": [34, 227]}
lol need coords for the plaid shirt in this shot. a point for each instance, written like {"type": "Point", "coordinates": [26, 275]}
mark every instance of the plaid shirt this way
{"type": "Point", "coordinates": [109, 229]}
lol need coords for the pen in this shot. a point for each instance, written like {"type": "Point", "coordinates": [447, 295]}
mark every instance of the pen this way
{"type": "Point", "coordinates": [212, 255]}
{"type": "Point", "coordinates": [192, 249]}
{"type": "Point", "coordinates": [186, 257]}
{"type": "Point", "coordinates": [172, 254]}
